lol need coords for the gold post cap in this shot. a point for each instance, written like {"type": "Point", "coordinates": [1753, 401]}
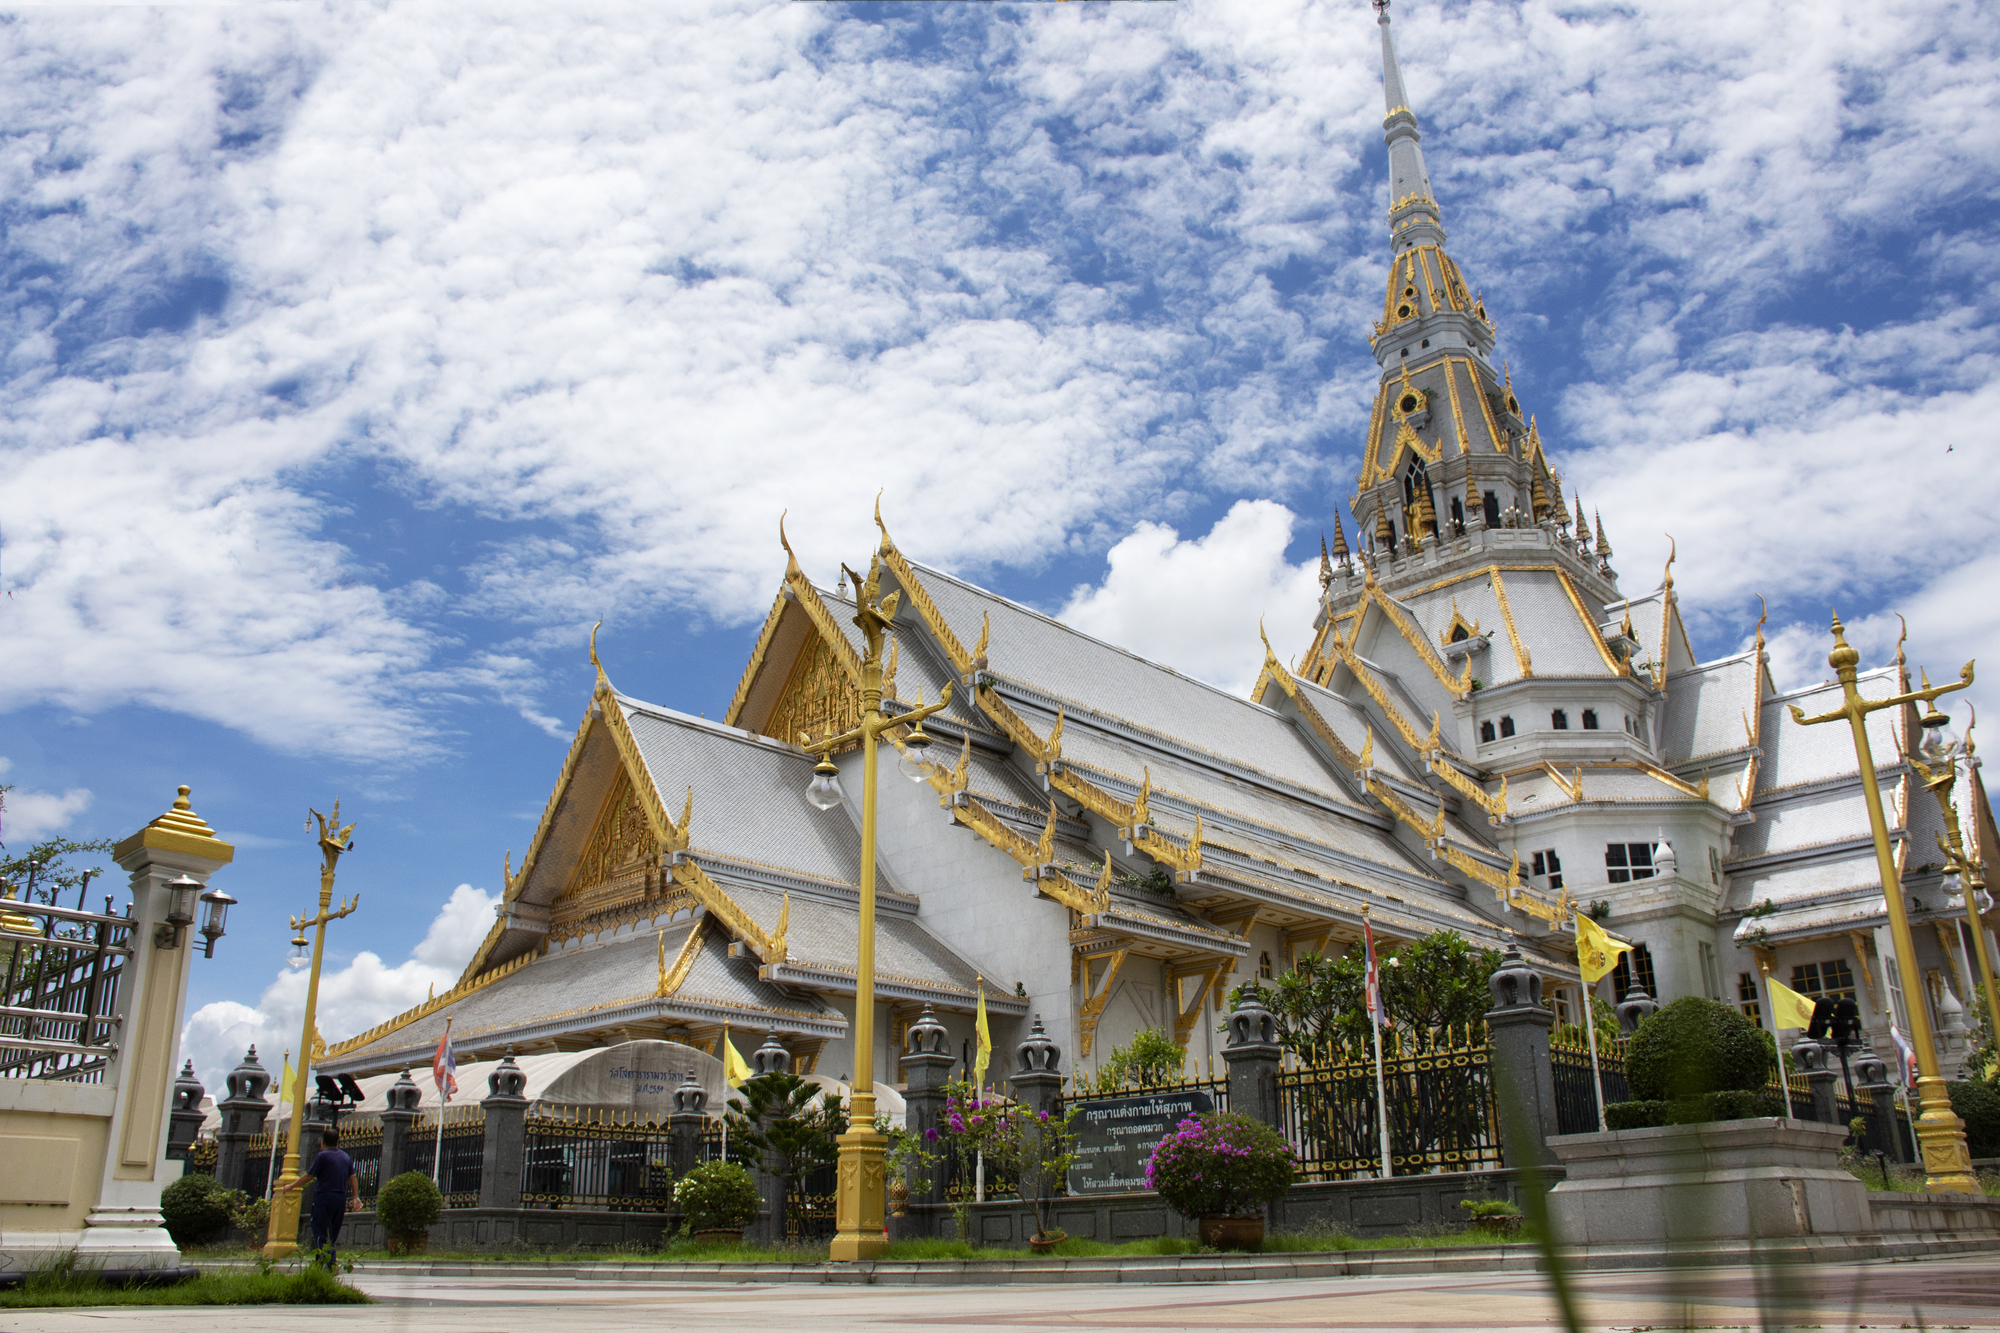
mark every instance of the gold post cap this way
{"type": "Point", "coordinates": [180, 829]}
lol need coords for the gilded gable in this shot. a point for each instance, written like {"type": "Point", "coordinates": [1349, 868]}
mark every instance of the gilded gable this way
{"type": "Point", "coordinates": [817, 698]}
{"type": "Point", "coordinates": [619, 869]}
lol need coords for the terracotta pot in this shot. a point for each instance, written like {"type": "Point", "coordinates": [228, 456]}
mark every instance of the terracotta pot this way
{"type": "Point", "coordinates": [1040, 1244]}
{"type": "Point", "coordinates": [1232, 1233]}
{"type": "Point", "coordinates": [733, 1236]}
{"type": "Point", "coordinates": [899, 1198]}
{"type": "Point", "coordinates": [415, 1243]}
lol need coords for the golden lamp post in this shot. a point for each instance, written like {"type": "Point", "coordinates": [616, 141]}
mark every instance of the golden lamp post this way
{"type": "Point", "coordinates": [1947, 1164]}
{"type": "Point", "coordinates": [859, 1191]}
{"type": "Point", "coordinates": [283, 1238]}
{"type": "Point", "coordinates": [1940, 754]}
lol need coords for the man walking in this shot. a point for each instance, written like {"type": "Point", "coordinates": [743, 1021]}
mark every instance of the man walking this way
{"type": "Point", "coordinates": [338, 1190]}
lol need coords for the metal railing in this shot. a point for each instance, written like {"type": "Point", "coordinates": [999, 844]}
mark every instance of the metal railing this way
{"type": "Point", "coordinates": [599, 1160]}
{"type": "Point", "coordinates": [59, 1007]}
{"type": "Point", "coordinates": [1576, 1101]}
{"type": "Point", "coordinates": [461, 1161]}
{"type": "Point", "coordinates": [1439, 1099]}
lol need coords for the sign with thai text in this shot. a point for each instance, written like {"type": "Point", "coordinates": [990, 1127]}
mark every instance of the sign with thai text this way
{"type": "Point", "coordinates": [1116, 1136]}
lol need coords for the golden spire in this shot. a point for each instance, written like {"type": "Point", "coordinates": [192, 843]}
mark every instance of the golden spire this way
{"type": "Point", "coordinates": [1339, 540]}
{"type": "Point", "coordinates": [1325, 564]}
{"type": "Point", "coordinates": [1385, 536]}
{"type": "Point", "coordinates": [1603, 542]}
{"type": "Point", "coordinates": [1427, 524]}
{"type": "Point", "coordinates": [1556, 503]}
{"type": "Point", "coordinates": [1538, 496]}
{"type": "Point", "coordinates": [1582, 526]}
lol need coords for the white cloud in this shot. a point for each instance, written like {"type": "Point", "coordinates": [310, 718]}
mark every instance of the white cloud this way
{"type": "Point", "coordinates": [1195, 605]}
{"type": "Point", "coordinates": [631, 279]}
{"type": "Point", "coordinates": [28, 816]}
{"type": "Point", "coordinates": [352, 999]}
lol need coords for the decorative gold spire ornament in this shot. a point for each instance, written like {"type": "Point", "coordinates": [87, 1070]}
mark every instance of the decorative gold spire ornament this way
{"type": "Point", "coordinates": [1339, 541]}
{"type": "Point", "coordinates": [1582, 528]}
{"type": "Point", "coordinates": [1325, 564]}
{"type": "Point", "coordinates": [1603, 544]}
{"type": "Point", "coordinates": [1385, 536]}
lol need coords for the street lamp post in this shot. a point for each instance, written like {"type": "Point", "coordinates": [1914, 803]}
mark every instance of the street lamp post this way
{"type": "Point", "coordinates": [282, 1239]}
{"type": "Point", "coordinates": [859, 1188]}
{"type": "Point", "coordinates": [1941, 1134]}
{"type": "Point", "coordinates": [1943, 751]}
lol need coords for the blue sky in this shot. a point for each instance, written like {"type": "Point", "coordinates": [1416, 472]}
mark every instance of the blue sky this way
{"type": "Point", "coordinates": [358, 358]}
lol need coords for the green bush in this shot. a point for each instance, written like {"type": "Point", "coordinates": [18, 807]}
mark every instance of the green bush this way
{"type": "Point", "coordinates": [1693, 1110]}
{"type": "Point", "coordinates": [407, 1205]}
{"type": "Point", "coordinates": [1696, 1046]}
{"type": "Point", "coordinates": [717, 1196]}
{"type": "Point", "coordinates": [197, 1209]}
{"type": "Point", "coordinates": [1978, 1105]}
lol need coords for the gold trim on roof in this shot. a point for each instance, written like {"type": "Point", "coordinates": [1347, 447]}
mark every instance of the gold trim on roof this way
{"type": "Point", "coordinates": [1521, 657]}
{"type": "Point", "coordinates": [432, 1005]}
{"type": "Point", "coordinates": [1753, 722]}
{"type": "Point", "coordinates": [756, 663]}
{"type": "Point", "coordinates": [672, 977]}
{"type": "Point", "coordinates": [1596, 635]}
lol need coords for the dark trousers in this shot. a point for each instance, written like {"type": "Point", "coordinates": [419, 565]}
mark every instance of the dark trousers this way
{"type": "Point", "coordinates": [327, 1216]}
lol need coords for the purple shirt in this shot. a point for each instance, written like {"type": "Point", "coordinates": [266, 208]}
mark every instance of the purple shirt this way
{"type": "Point", "coordinates": [332, 1169]}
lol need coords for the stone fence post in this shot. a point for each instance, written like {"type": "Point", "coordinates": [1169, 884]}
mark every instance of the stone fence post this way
{"type": "Point", "coordinates": [688, 1124]}
{"type": "Point", "coordinates": [398, 1119]}
{"type": "Point", "coordinates": [1811, 1059]}
{"type": "Point", "coordinates": [927, 1062]}
{"type": "Point", "coordinates": [1635, 1008]}
{"type": "Point", "coordinates": [770, 1058]}
{"type": "Point", "coordinates": [243, 1113]}
{"type": "Point", "coordinates": [1252, 1056]}
{"type": "Point", "coordinates": [504, 1155]}
{"type": "Point", "coordinates": [1522, 1079]}
{"type": "Point", "coordinates": [1038, 1079]}
{"type": "Point", "coordinates": [1871, 1077]}
{"type": "Point", "coordinates": [185, 1116]}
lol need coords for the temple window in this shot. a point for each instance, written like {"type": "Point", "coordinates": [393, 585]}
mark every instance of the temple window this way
{"type": "Point", "coordinates": [1491, 503]}
{"type": "Point", "coordinates": [1548, 863]}
{"type": "Point", "coordinates": [1627, 861]}
{"type": "Point", "coordinates": [1590, 719]}
{"type": "Point", "coordinates": [1506, 726]}
{"type": "Point", "coordinates": [1559, 720]}
{"type": "Point", "coordinates": [1485, 733]}
{"type": "Point", "coordinates": [1635, 968]}
{"type": "Point", "coordinates": [1264, 966]}
{"type": "Point", "coordinates": [1457, 517]}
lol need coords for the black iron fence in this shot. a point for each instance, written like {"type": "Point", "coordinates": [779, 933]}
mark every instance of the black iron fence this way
{"type": "Point", "coordinates": [459, 1160]}
{"type": "Point", "coordinates": [59, 1002]}
{"type": "Point", "coordinates": [362, 1141]}
{"type": "Point", "coordinates": [1439, 1102]}
{"type": "Point", "coordinates": [1576, 1098]}
{"type": "Point", "coordinates": [809, 1206]}
{"type": "Point", "coordinates": [601, 1161]}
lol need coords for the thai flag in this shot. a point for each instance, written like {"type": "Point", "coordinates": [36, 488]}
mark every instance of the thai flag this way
{"type": "Point", "coordinates": [444, 1067]}
{"type": "Point", "coordinates": [1375, 1014]}
{"type": "Point", "coordinates": [1907, 1056]}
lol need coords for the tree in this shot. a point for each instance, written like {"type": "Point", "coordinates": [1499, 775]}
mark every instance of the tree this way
{"type": "Point", "coordinates": [1434, 990]}
{"type": "Point", "coordinates": [792, 1123]}
{"type": "Point", "coordinates": [1149, 1060]}
{"type": "Point", "coordinates": [43, 874]}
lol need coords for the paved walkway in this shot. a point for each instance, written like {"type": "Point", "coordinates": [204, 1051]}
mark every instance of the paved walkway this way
{"type": "Point", "coordinates": [1940, 1293]}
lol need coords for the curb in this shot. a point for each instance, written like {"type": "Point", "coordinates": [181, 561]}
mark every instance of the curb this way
{"type": "Point", "coordinates": [1167, 1269]}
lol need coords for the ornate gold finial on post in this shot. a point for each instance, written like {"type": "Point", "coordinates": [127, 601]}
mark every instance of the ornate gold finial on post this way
{"type": "Point", "coordinates": [1941, 1134]}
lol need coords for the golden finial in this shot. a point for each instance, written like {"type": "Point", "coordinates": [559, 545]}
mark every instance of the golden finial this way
{"type": "Point", "coordinates": [979, 649]}
{"type": "Point", "coordinates": [1667, 575]}
{"type": "Point", "coordinates": [1582, 526]}
{"type": "Point", "coordinates": [1603, 542]}
{"type": "Point", "coordinates": [1142, 812]}
{"type": "Point", "coordinates": [1538, 496]}
{"type": "Point", "coordinates": [1902, 664]}
{"type": "Point", "coordinates": [1045, 850]}
{"type": "Point", "coordinates": [1763, 614]}
{"type": "Point", "coordinates": [1052, 748]}
{"type": "Point", "coordinates": [1368, 748]}
{"type": "Point", "coordinates": [887, 545]}
{"type": "Point", "coordinates": [1385, 536]}
{"type": "Point", "coordinates": [1339, 539]}
{"type": "Point", "coordinates": [507, 870]}
{"type": "Point", "coordinates": [1269, 656]}
{"type": "Point", "coordinates": [181, 797]}
{"type": "Point", "coordinates": [791, 557]}
{"type": "Point", "coordinates": [1844, 654]}
{"type": "Point", "coordinates": [1325, 562]}
{"type": "Point", "coordinates": [687, 816]}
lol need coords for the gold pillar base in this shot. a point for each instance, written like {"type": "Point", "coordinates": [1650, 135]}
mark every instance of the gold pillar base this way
{"type": "Point", "coordinates": [860, 1211]}
{"type": "Point", "coordinates": [281, 1241]}
{"type": "Point", "coordinates": [1941, 1140]}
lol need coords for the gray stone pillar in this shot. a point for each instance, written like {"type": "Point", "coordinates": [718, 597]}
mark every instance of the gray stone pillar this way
{"type": "Point", "coordinates": [184, 1115]}
{"type": "Point", "coordinates": [927, 1062]}
{"type": "Point", "coordinates": [688, 1124]}
{"type": "Point", "coordinates": [770, 1058]}
{"type": "Point", "coordinates": [1522, 1079]}
{"type": "Point", "coordinates": [1872, 1086]}
{"type": "Point", "coordinates": [1815, 1061]}
{"type": "Point", "coordinates": [243, 1114]}
{"type": "Point", "coordinates": [1252, 1056]}
{"type": "Point", "coordinates": [504, 1156]}
{"type": "Point", "coordinates": [1634, 1009]}
{"type": "Point", "coordinates": [1037, 1079]}
{"type": "Point", "coordinates": [398, 1119]}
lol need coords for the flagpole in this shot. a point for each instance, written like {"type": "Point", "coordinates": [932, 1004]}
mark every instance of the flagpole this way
{"type": "Point", "coordinates": [1596, 1075]}
{"type": "Point", "coordinates": [1771, 1003]}
{"type": "Point", "coordinates": [1374, 998]}
{"type": "Point", "coordinates": [437, 1153]}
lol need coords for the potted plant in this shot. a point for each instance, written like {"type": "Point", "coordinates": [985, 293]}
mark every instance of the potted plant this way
{"type": "Point", "coordinates": [717, 1200]}
{"type": "Point", "coordinates": [1499, 1216]}
{"type": "Point", "coordinates": [1219, 1169]}
{"type": "Point", "coordinates": [406, 1207]}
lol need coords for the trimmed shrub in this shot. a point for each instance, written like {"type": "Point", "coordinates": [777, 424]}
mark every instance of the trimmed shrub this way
{"type": "Point", "coordinates": [197, 1210]}
{"type": "Point", "coordinates": [1220, 1165]}
{"type": "Point", "coordinates": [408, 1204]}
{"type": "Point", "coordinates": [1693, 1110]}
{"type": "Point", "coordinates": [1978, 1105]}
{"type": "Point", "coordinates": [1694, 1047]}
{"type": "Point", "coordinates": [717, 1196]}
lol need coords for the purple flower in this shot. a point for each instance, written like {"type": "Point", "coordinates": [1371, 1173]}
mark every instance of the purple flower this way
{"type": "Point", "coordinates": [931, 1134]}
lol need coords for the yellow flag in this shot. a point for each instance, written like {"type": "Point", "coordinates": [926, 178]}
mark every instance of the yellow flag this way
{"type": "Point", "coordinates": [985, 1053]}
{"type": "Point", "coordinates": [1596, 952]}
{"type": "Point", "coordinates": [734, 1071]}
{"type": "Point", "coordinates": [1789, 1009]}
{"type": "Point", "coordinates": [285, 1085]}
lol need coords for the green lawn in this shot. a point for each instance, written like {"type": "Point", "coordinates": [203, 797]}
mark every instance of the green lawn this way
{"type": "Point", "coordinates": [1906, 1178]}
{"type": "Point", "coordinates": [310, 1286]}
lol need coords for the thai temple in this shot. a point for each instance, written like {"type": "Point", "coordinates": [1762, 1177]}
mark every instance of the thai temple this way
{"type": "Point", "coordinates": [1487, 735]}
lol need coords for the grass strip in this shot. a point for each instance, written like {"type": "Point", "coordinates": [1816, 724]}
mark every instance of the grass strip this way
{"type": "Point", "coordinates": [310, 1286]}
